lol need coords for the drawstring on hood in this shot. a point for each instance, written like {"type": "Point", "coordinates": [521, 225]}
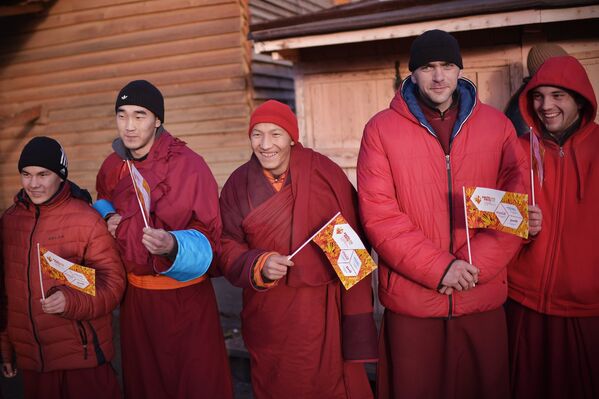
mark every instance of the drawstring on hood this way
{"type": "Point", "coordinates": [568, 73]}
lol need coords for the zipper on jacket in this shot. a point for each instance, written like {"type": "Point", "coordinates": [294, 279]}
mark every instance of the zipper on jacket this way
{"type": "Point", "coordinates": [34, 330]}
{"type": "Point", "coordinates": [450, 201]}
{"type": "Point", "coordinates": [549, 270]}
{"type": "Point", "coordinates": [83, 336]}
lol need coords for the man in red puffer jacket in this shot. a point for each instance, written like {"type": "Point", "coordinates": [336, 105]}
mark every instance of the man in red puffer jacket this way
{"type": "Point", "coordinates": [553, 311]}
{"type": "Point", "coordinates": [444, 333]}
{"type": "Point", "coordinates": [63, 343]}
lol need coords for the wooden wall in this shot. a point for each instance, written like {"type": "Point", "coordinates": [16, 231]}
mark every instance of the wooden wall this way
{"type": "Point", "coordinates": [60, 73]}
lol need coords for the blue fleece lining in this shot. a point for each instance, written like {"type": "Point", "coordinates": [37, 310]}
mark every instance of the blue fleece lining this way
{"type": "Point", "coordinates": [104, 207]}
{"type": "Point", "coordinates": [467, 93]}
{"type": "Point", "coordinates": [194, 256]}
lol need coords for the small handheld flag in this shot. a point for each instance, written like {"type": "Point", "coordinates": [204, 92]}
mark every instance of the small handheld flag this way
{"type": "Point", "coordinates": [344, 250]}
{"type": "Point", "coordinates": [71, 274]}
{"type": "Point", "coordinates": [495, 209]}
{"type": "Point", "coordinates": [537, 153]}
{"type": "Point", "coordinates": [142, 192]}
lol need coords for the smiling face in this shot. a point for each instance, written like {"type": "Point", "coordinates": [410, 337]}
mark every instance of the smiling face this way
{"type": "Point", "coordinates": [39, 183]}
{"type": "Point", "coordinates": [272, 146]}
{"type": "Point", "coordinates": [137, 128]}
{"type": "Point", "coordinates": [436, 82]}
{"type": "Point", "coordinates": [556, 108]}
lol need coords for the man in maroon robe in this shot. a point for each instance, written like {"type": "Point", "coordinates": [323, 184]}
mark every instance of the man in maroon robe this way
{"type": "Point", "coordinates": [172, 342]}
{"type": "Point", "coordinates": [307, 336]}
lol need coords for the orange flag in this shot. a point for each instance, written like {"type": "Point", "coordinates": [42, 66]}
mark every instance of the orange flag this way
{"type": "Point", "coordinates": [71, 274]}
{"type": "Point", "coordinates": [344, 249]}
{"type": "Point", "coordinates": [495, 209]}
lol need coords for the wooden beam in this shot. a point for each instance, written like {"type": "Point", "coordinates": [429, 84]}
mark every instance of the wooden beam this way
{"type": "Point", "coordinates": [474, 22]}
{"type": "Point", "coordinates": [9, 11]}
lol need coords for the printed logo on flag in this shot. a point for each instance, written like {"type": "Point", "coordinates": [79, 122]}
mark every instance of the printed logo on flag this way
{"type": "Point", "coordinates": [71, 274]}
{"type": "Point", "coordinates": [346, 252]}
{"type": "Point", "coordinates": [499, 210]}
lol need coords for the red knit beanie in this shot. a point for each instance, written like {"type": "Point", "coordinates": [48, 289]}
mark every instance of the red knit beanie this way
{"type": "Point", "coordinates": [278, 113]}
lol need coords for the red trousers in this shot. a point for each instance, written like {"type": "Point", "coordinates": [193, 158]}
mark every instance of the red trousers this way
{"type": "Point", "coordinates": [462, 358]}
{"type": "Point", "coordinates": [552, 357]}
{"type": "Point", "coordinates": [93, 383]}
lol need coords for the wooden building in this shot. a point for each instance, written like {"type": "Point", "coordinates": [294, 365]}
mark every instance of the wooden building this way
{"type": "Point", "coordinates": [347, 59]}
{"type": "Point", "coordinates": [62, 63]}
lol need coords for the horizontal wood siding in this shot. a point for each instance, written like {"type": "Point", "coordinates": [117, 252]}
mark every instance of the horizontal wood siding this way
{"type": "Point", "coordinates": [59, 75]}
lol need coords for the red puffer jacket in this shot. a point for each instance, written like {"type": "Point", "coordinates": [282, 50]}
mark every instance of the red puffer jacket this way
{"type": "Point", "coordinates": [556, 272]}
{"type": "Point", "coordinates": [81, 337]}
{"type": "Point", "coordinates": [412, 206]}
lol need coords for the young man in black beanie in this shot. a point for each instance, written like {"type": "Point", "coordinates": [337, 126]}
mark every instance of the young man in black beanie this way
{"type": "Point", "coordinates": [171, 338]}
{"type": "Point", "coordinates": [63, 343]}
{"type": "Point", "coordinates": [444, 328]}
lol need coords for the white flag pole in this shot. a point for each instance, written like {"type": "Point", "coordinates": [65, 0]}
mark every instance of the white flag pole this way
{"type": "Point", "coordinates": [39, 265]}
{"type": "Point", "coordinates": [141, 208]}
{"type": "Point", "coordinates": [467, 230]}
{"type": "Point", "coordinates": [314, 235]}
{"type": "Point", "coordinates": [532, 173]}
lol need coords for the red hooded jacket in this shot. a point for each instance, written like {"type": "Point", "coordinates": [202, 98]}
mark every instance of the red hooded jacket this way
{"type": "Point", "coordinates": [412, 206]}
{"type": "Point", "coordinates": [80, 337]}
{"type": "Point", "coordinates": [556, 272]}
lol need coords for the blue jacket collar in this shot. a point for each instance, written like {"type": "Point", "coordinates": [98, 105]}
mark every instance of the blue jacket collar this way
{"type": "Point", "coordinates": [467, 95]}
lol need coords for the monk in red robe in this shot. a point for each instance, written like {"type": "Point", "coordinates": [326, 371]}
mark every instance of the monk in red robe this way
{"type": "Point", "coordinates": [307, 336]}
{"type": "Point", "coordinates": [171, 340]}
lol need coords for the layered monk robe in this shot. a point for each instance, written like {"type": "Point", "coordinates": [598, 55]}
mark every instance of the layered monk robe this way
{"type": "Point", "coordinates": [171, 338]}
{"type": "Point", "coordinates": [306, 335]}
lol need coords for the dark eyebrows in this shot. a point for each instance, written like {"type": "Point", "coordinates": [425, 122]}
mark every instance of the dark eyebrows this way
{"type": "Point", "coordinates": [137, 112]}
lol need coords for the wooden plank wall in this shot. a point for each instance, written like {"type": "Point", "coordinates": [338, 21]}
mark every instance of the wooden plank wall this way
{"type": "Point", "coordinates": [272, 79]}
{"type": "Point", "coordinates": [60, 73]}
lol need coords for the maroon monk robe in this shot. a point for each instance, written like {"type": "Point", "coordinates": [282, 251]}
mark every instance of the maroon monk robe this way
{"type": "Point", "coordinates": [171, 340]}
{"type": "Point", "coordinates": [472, 365]}
{"type": "Point", "coordinates": [572, 341]}
{"type": "Point", "coordinates": [90, 383]}
{"type": "Point", "coordinates": [303, 333]}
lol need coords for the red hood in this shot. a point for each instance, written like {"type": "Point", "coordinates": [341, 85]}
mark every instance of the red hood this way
{"type": "Point", "coordinates": [566, 72]}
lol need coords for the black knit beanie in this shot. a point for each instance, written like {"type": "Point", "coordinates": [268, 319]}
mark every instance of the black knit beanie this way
{"type": "Point", "coordinates": [434, 45]}
{"type": "Point", "coordinates": [143, 94]}
{"type": "Point", "coordinates": [47, 153]}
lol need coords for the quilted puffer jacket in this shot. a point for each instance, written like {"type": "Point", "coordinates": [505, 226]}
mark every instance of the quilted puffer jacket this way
{"type": "Point", "coordinates": [80, 337]}
{"type": "Point", "coordinates": [411, 202]}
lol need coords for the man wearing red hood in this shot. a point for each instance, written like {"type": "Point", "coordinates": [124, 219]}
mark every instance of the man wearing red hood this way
{"type": "Point", "coordinates": [307, 336]}
{"type": "Point", "coordinates": [553, 311]}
